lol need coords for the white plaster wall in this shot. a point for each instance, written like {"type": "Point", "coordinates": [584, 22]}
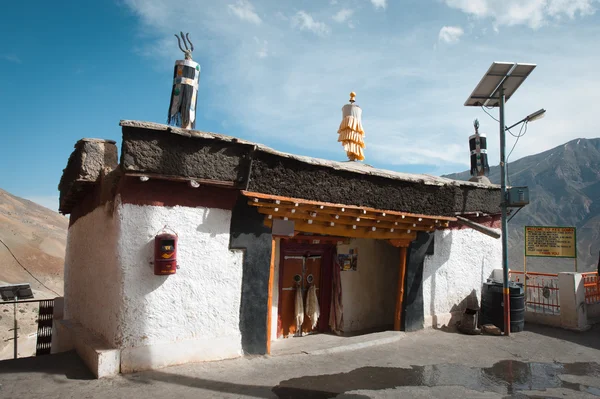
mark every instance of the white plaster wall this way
{"type": "Point", "coordinates": [92, 275]}
{"type": "Point", "coordinates": [198, 307]}
{"type": "Point", "coordinates": [462, 261]}
{"type": "Point", "coordinates": [275, 297]}
{"type": "Point", "coordinates": [369, 294]}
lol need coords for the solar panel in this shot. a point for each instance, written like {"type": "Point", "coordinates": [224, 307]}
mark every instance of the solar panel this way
{"type": "Point", "coordinates": [21, 291]}
{"type": "Point", "coordinates": [508, 74]}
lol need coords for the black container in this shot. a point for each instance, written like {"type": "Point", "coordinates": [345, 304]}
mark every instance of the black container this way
{"type": "Point", "coordinates": [492, 306]}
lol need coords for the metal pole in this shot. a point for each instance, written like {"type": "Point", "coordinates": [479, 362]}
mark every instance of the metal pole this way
{"type": "Point", "coordinates": [15, 327]}
{"type": "Point", "coordinates": [525, 278]}
{"type": "Point", "coordinates": [504, 222]}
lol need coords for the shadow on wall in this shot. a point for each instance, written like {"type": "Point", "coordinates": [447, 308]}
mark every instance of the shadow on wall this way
{"type": "Point", "coordinates": [469, 302]}
{"type": "Point", "coordinates": [438, 278]}
{"type": "Point", "coordinates": [439, 257]}
{"type": "Point", "coordinates": [248, 233]}
{"type": "Point", "coordinates": [413, 318]}
{"type": "Point", "coordinates": [147, 269]}
{"type": "Point", "coordinates": [213, 224]}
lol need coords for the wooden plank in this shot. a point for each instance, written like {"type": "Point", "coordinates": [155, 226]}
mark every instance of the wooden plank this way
{"type": "Point", "coordinates": [400, 243]}
{"type": "Point", "coordinates": [348, 212]}
{"type": "Point", "coordinates": [347, 231]}
{"type": "Point", "coordinates": [328, 204]}
{"type": "Point", "coordinates": [206, 182]}
{"type": "Point", "coordinates": [479, 227]}
{"type": "Point", "coordinates": [316, 239]}
{"type": "Point", "coordinates": [270, 294]}
{"type": "Point", "coordinates": [303, 216]}
{"type": "Point", "coordinates": [286, 207]}
{"type": "Point", "coordinates": [400, 292]}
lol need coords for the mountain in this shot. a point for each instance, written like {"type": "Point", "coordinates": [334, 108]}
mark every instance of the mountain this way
{"type": "Point", "coordinates": [564, 190]}
{"type": "Point", "coordinates": [32, 250]}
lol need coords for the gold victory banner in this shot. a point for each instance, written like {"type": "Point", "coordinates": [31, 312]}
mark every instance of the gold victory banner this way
{"type": "Point", "coordinates": [549, 241]}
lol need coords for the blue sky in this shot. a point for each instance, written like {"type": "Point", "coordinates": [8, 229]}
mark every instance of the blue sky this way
{"type": "Point", "coordinates": [278, 72]}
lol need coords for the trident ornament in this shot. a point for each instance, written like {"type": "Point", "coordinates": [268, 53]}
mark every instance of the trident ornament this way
{"type": "Point", "coordinates": [187, 51]}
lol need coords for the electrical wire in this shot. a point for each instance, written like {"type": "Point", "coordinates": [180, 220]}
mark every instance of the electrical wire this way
{"type": "Point", "coordinates": [524, 125]}
{"type": "Point", "coordinates": [518, 136]}
{"type": "Point", "coordinates": [514, 214]}
{"type": "Point", "coordinates": [494, 118]}
{"type": "Point", "coordinates": [517, 140]}
{"type": "Point", "coordinates": [24, 268]}
{"type": "Point", "coordinates": [491, 116]}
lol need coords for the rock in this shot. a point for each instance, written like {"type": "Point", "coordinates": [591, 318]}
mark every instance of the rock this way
{"type": "Point", "coordinates": [491, 329]}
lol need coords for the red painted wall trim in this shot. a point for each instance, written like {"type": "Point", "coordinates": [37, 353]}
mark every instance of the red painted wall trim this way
{"type": "Point", "coordinates": [494, 221]}
{"type": "Point", "coordinates": [171, 193]}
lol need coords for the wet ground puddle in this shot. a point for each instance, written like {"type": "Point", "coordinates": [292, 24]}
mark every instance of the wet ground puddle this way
{"type": "Point", "coordinates": [507, 377]}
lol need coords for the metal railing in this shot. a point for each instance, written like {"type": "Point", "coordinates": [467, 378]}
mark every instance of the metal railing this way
{"type": "Point", "coordinates": [541, 291]}
{"type": "Point", "coordinates": [591, 284]}
{"type": "Point", "coordinates": [44, 325]}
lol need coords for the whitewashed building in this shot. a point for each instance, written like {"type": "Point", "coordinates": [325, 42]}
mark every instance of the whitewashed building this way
{"type": "Point", "coordinates": [384, 250]}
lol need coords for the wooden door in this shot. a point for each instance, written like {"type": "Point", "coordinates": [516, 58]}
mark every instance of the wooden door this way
{"type": "Point", "coordinates": [291, 269]}
{"type": "Point", "coordinates": [295, 272]}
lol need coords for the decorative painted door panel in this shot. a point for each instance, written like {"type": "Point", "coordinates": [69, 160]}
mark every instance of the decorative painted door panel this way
{"type": "Point", "coordinates": [298, 272]}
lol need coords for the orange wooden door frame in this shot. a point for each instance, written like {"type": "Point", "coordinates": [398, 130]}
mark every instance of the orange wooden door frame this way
{"type": "Point", "coordinates": [270, 294]}
{"type": "Point", "coordinates": [400, 290]}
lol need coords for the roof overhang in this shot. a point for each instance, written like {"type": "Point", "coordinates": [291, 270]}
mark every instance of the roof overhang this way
{"type": "Point", "coordinates": [345, 220]}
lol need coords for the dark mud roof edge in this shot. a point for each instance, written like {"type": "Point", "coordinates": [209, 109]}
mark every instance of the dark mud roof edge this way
{"type": "Point", "coordinates": [353, 167]}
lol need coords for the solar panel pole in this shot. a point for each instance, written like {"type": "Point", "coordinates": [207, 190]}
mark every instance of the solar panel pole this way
{"type": "Point", "coordinates": [505, 290]}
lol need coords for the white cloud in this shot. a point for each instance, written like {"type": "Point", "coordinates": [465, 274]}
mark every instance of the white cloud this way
{"type": "Point", "coordinates": [343, 15]}
{"type": "Point", "coordinates": [532, 13]}
{"type": "Point", "coordinates": [450, 34]}
{"type": "Point", "coordinates": [304, 21]}
{"type": "Point", "coordinates": [263, 50]}
{"type": "Point", "coordinates": [412, 97]}
{"type": "Point", "coordinates": [12, 58]}
{"type": "Point", "coordinates": [379, 3]}
{"type": "Point", "coordinates": [281, 16]}
{"type": "Point", "coordinates": [244, 10]}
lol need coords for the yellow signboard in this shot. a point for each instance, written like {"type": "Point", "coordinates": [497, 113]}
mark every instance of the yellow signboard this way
{"type": "Point", "coordinates": [549, 241]}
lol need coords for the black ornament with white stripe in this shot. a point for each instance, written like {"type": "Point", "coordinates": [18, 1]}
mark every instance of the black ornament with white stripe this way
{"type": "Point", "coordinates": [478, 148]}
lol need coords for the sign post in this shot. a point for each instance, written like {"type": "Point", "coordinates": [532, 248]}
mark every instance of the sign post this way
{"type": "Point", "coordinates": [551, 241]}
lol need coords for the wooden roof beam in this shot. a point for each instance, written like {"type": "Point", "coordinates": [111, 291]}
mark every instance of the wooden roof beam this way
{"type": "Point", "coordinates": [339, 206]}
{"type": "Point", "coordinates": [347, 231]}
{"type": "Point", "coordinates": [350, 221]}
{"type": "Point", "coordinates": [342, 212]}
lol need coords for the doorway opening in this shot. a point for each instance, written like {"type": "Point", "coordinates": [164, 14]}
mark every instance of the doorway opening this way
{"type": "Point", "coordinates": [301, 266]}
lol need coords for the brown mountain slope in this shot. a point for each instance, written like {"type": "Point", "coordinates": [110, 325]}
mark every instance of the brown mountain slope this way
{"type": "Point", "coordinates": [32, 247]}
{"type": "Point", "coordinates": [32, 250]}
{"type": "Point", "coordinates": [564, 187]}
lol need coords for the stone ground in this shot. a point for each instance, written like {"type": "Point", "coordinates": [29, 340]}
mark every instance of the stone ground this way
{"type": "Point", "coordinates": [539, 362]}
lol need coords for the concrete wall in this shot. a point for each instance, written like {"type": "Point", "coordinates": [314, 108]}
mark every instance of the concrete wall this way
{"type": "Point", "coordinates": [543, 318]}
{"type": "Point", "coordinates": [593, 313]}
{"type": "Point", "coordinates": [462, 261]}
{"type": "Point", "coordinates": [573, 314]}
{"type": "Point", "coordinates": [93, 288]}
{"type": "Point", "coordinates": [193, 315]}
{"type": "Point", "coordinates": [573, 311]}
{"type": "Point", "coordinates": [369, 294]}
